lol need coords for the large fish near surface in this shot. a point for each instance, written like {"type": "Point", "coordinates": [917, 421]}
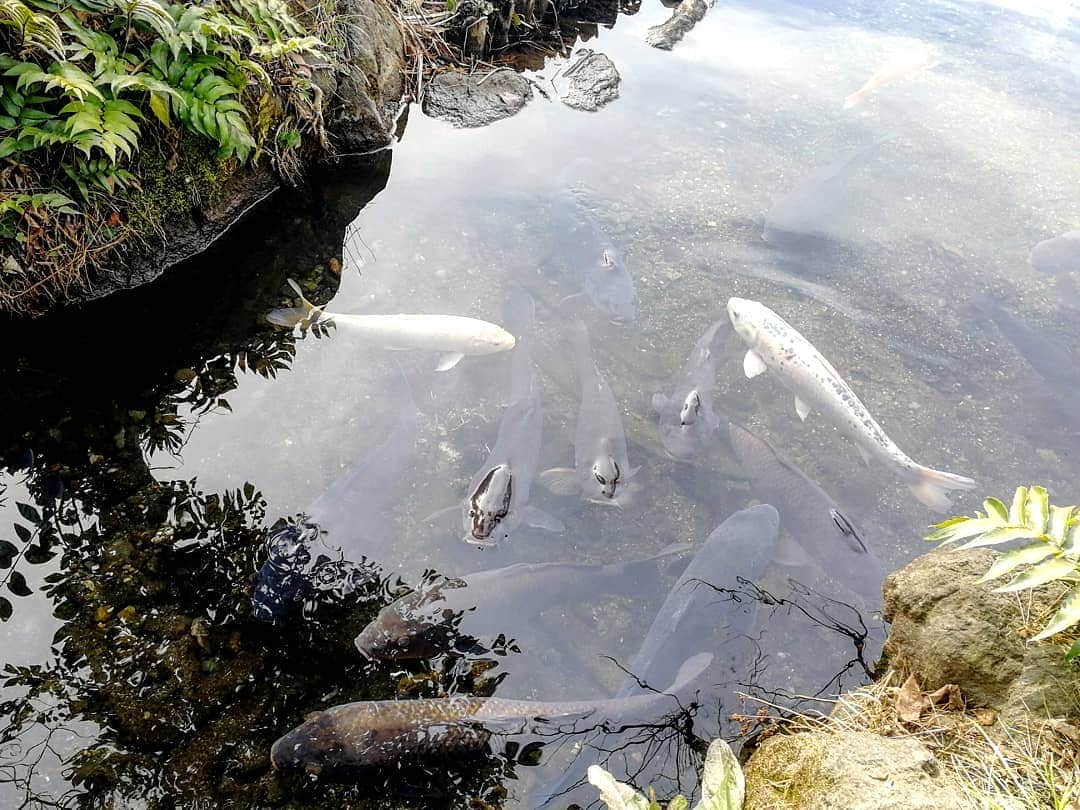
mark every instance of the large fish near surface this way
{"type": "Point", "coordinates": [369, 733]}
{"type": "Point", "coordinates": [1058, 255]}
{"type": "Point", "coordinates": [483, 605]}
{"type": "Point", "coordinates": [601, 471]}
{"type": "Point", "coordinates": [809, 515]}
{"type": "Point", "coordinates": [687, 421]}
{"type": "Point", "coordinates": [908, 63]}
{"type": "Point", "coordinates": [775, 345]}
{"type": "Point", "coordinates": [1055, 363]}
{"type": "Point", "coordinates": [454, 336]}
{"type": "Point", "coordinates": [809, 208]}
{"type": "Point", "coordinates": [348, 524]}
{"type": "Point", "coordinates": [593, 260]}
{"type": "Point", "coordinates": [498, 497]}
{"type": "Point", "coordinates": [696, 611]}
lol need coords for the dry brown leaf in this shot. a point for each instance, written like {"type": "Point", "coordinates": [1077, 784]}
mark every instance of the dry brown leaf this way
{"type": "Point", "coordinates": [985, 717]}
{"type": "Point", "coordinates": [948, 697]}
{"type": "Point", "coordinates": [909, 701]}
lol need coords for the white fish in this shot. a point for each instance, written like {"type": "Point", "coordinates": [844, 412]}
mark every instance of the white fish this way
{"type": "Point", "coordinates": [454, 335]}
{"type": "Point", "coordinates": [902, 65]}
{"type": "Point", "coordinates": [775, 344]}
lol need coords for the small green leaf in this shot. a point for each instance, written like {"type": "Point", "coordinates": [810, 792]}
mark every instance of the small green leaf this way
{"type": "Point", "coordinates": [1049, 571]}
{"type": "Point", "coordinates": [615, 794]}
{"type": "Point", "coordinates": [1019, 504]}
{"type": "Point", "coordinates": [723, 786]}
{"type": "Point", "coordinates": [1001, 535]}
{"type": "Point", "coordinates": [996, 509]}
{"type": "Point", "coordinates": [960, 528]}
{"type": "Point", "coordinates": [1036, 510]}
{"type": "Point", "coordinates": [678, 803]}
{"type": "Point", "coordinates": [1067, 615]}
{"type": "Point", "coordinates": [5, 609]}
{"type": "Point", "coordinates": [29, 512]}
{"type": "Point", "coordinates": [1070, 656]}
{"type": "Point", "coordinates": [8, 553]}
{"type": "Point", "coordinates": [17, 584]}
{"type": "Point", "coordinates": [1059, 522]}
{"type": "Point", "coordinates": [1028, 555]}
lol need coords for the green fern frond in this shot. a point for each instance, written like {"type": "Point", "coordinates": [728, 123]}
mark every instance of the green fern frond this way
{"type": "Point", "coordinates": [275, 50]}
{"type": "Point", "coordinates": [35, 30]}
{"type": "Point", "coordinates": [150, 13]}
{"type": "Point", "coordinates": [1053, 556]}
{"type": "Point", "coordinates": [108, 125]}
{"type": "Point", "coordinates": [63, 76]}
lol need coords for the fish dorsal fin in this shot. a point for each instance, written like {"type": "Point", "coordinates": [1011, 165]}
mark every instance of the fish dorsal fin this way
{"type": "Point", "coordinates": [753, 365]}
{"type": "Point", "coordinates": [802, 409]}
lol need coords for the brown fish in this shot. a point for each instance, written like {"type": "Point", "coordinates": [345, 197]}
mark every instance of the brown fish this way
{"type": "Point", "coordinates": [369, 733]}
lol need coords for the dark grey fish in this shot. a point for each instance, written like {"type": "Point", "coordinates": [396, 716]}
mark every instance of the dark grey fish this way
{"type": "Point", "coordinates": [481, 606]}
{"type": "Point", "coordinates": [809, 515]}
{"type": "Point", "coordinates": [601, 471]}
{"type": "Point", "coordinates": [497, 502]}
{"type": "Point", "coordinates": [369, 733]}
{"type": "Point", "coordinates": [1053, 361]}
{"type": "Point", "coordinates": [687, 421]}
{"type": "Point", "coordinates": [810, 207]}
{"type": "Point", "coordinates": [1058, 255]}
{"type": "Point", "coordinates": [697, 611]}
{"type": "Point", "coordinates": [593, 260]}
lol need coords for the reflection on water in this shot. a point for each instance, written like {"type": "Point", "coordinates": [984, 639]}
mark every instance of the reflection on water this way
{"type": "Point", "coordinates": [157, 442]}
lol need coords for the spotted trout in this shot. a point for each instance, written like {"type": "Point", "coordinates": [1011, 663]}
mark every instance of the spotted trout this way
{"type": "Point", "coordinates": [776, 345]}
{"type": "Point", "coordinates": [368, 733]}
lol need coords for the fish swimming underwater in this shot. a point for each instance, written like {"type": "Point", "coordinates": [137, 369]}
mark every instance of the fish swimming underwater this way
{"type": "Point", "coordinates": [602, 470]}
{"type": "Point", "coordinates": [808, 209]}
{"type": "Point", "coordinates": [809, 515]}
{"type": "Point", "coordinates": [498, 497]}
{"type": "Point", "coordinates": [453, 335]}
{"type": "Point", "coordinates": [593, 260]}
{"type": "Point", "coordinates": [697, 611]}
{"type": "Point", "coordinates": [483, 605]}
{"type": "Point", "coordinates": [1058, 255]}
{"type": "Point", "coordinates": [349, 522]}
{"type": "Point", "coordinates": [908, 63]}
{"type": "Point", "coordinates": [369, 733]}
{"type": "Point", "coordinates": [776, 345]}
{"type": "Point", "coordinates": [687, 421]}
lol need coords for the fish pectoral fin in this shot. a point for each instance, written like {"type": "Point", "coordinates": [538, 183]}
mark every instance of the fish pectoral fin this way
{"type": "Point", "coordinates": [864, 453]}
{"type": "Point", "coordinates": [802, 409]}
{"type": "Point", "coordinates": [753, 365]}
{"type": "Point", "coordinates": [439, 515]}
{"type": "Point", "coordinates": [542, 520]}
{"type": "Point", "coordinates": [560, 480]}
{"type": "Point", "coordinates": [449, 360]}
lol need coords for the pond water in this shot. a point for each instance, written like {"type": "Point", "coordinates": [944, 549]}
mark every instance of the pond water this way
{"type": "Point", "coordinates": [154, 438]}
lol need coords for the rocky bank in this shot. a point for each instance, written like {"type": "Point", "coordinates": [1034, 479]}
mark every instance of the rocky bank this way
{"type": "Point", "coordinates": [1020, 703]}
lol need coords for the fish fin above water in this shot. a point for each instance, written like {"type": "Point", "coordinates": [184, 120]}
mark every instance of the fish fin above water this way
{"type": "Point", "coordinates": [449, 360]}
{"type": "Point", "coordinates": [864, 454]}
{"type": "Point", "coordinates": [930, 487]}
{"type": "Point", "coordinates": [802, 409]}
{"type": "Point", "coordinates": [542, 520]}
{"type": "Point", "coordinates": [753, 365]}
{"type": "Point", "coordinates": [560, 480]}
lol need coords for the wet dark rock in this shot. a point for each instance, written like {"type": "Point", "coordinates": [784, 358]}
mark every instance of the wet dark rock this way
{"type": "Point", "coordinates": [591, 83]}
{"type": "Point", "coordinates": [476, 100]}
{"type": "Point", "coordinates": [947, 627]}
{"type": "Point", "coordinates": [686, 15]}
{"type": "Point", "coordinates": [854, 770]}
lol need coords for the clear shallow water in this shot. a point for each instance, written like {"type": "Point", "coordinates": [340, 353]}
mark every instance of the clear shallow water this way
{"type": "Point", "coordinates": [678, 172]}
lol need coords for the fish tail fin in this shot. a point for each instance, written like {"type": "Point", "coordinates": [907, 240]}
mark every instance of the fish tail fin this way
{"type": "Point", "coordinates": [930, 486]}
{"type": "Point", "coordinates": [303, 315]}
{"type": "Point", "coordinates": [692, 669]}
{"type": "Point", "coordinates": [306, 305]}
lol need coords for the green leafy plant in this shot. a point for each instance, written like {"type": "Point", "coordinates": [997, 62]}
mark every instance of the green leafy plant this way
{"type": "Point", "coordinates": [723, 786]}
{"type": "Point", "coordinates": [1053, 555]}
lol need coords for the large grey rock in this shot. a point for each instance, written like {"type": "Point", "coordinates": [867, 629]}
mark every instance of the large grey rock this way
{"type": "Point", "coordinates": [685, 16]}
{"type": "Point", "coordinates": [476, 100]}
{"type": "Point", "coordinates": [591, 83]}
{"type": "Point", "coordinates": [847, 770]}
{"type": "Point", "coordinates": [948, 628]}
